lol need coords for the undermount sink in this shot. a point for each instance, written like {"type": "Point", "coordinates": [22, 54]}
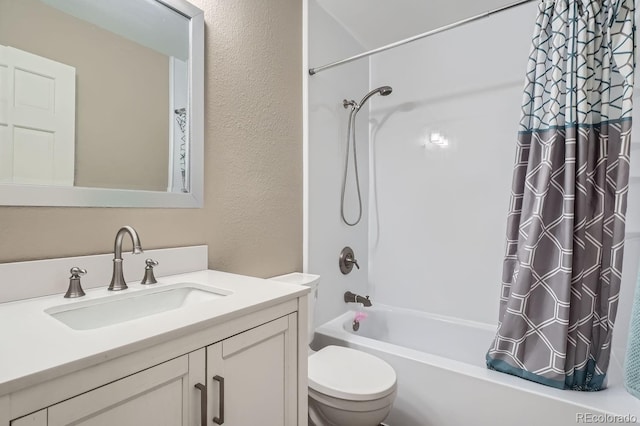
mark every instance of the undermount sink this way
{"type": "Point", "coordinates": [109, 310]}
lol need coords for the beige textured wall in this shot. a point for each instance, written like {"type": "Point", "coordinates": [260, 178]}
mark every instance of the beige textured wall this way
{"type": "Point", "coordinates": [254, 140]}
{"type": "Point", "coordinates": [116, 103]}
{"type": "Point", "coordinates": [252, 220]}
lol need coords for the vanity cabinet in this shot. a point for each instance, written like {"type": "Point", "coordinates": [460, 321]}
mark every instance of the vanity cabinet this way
{"type": "Point", "coordinates": [252, 376]}
{"type": "Point", "coordinates": [248, 378]}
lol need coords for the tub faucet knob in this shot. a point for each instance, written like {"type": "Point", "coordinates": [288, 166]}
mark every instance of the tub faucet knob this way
{"type": "Point", "coordinates": [346, 260]}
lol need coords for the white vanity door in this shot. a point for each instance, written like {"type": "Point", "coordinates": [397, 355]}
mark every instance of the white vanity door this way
{"type": "Point", "coordinates": [158, 396]}
{"type": "Point", "coordinates": [37, 119]}
{"type": "Point", "coordinates": [258, 370]}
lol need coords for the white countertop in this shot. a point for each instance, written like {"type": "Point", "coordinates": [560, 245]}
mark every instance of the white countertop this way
{"type": "Point", "coordinates": [34, 346]}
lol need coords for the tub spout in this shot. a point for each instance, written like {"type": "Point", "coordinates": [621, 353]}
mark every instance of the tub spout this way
{"type": "Point", "coordinates": [354, 298]}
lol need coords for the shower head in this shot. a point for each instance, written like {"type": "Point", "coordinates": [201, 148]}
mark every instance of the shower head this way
{"type": "Point", "coordinates": [384, 91]}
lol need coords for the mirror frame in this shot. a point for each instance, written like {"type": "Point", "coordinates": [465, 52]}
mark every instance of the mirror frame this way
{"type": "Point", "coordinates": [61, 196]}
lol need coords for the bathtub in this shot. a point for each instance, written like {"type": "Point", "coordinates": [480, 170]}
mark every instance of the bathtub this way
{"type": "Point", "coordinates": [443, 380]}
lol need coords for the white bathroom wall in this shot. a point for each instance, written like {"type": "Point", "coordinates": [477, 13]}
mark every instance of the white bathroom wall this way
{"type": "Point", "coordinates": [437, 234]}
{"type": "Point", "coordinates": [327, 124]}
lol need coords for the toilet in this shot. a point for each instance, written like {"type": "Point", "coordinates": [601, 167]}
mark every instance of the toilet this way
{"type": "Point", "coordinates": [347, 387]}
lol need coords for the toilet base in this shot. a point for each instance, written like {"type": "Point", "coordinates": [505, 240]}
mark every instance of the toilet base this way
{"type": "Point", "coordinates": [328, 411]}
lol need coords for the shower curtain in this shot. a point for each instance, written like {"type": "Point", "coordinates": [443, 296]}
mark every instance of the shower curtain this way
{"type": "Point", "coordinates": [565, 228]}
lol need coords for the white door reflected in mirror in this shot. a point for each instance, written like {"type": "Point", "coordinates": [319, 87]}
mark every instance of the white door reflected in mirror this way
{"type": "Point", "coordinates": [37, 119]}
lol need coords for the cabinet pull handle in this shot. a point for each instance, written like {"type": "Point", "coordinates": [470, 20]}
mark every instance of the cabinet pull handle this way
{"type": "Point", "coordinates": [220, 420]}
{"type": "Point", "coordinates": [203, 403]}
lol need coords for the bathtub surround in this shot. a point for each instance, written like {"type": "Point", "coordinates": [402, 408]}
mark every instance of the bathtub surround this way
{"type": "Point", "coordinates": [566, 225]}
{"type": "Point", "coordinates": [327, 145]}
{"type": "Point", "coordinates": [421, 225]}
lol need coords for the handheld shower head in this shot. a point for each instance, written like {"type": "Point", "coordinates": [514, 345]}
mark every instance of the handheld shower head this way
{"type": "Point", "coordinates": [383, 91]}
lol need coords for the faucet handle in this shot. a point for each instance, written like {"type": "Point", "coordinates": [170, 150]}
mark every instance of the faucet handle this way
{"type": "Point", "coordinates": [149, 278]}
{"type": "Point", "coordinates": [77, 272]}
{"type": "Point", "coordinates": [75, 288]}
{"type": "Point", "coordinates": [351, 260]}
{"type": "Point", "coordinates": [347, 260]}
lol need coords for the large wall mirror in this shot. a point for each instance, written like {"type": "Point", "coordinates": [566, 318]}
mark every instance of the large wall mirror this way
{"type": "Point", "coordinates": [101, 103]}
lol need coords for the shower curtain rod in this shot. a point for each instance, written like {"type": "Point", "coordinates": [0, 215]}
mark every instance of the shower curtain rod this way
{"type": "Point", "coordinates": [313, 71]}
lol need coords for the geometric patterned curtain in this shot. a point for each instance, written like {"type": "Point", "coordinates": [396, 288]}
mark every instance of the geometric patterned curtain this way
{"type": "Point", "coordinates": [565, 228]}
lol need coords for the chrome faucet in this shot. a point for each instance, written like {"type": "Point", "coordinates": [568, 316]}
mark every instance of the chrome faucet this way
{"type": "Point", "coordinates": [354, 298]}
{"type": "Point", "coordinates": [117, 280]}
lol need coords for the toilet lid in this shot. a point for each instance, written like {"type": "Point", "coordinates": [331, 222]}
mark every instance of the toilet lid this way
{"type": "Point", "coordinates": [349, 374]}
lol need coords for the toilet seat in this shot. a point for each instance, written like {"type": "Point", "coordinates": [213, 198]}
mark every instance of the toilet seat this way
{"type": "Point", "coordinates": [350, 374]}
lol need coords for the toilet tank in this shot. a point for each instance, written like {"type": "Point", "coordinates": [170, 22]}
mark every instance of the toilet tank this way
{"type": "Point", "coordinates": [308, 280]}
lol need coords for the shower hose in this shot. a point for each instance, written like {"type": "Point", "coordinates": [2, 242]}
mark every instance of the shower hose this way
{"type": "Point", "coordinates": [351, 140]}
